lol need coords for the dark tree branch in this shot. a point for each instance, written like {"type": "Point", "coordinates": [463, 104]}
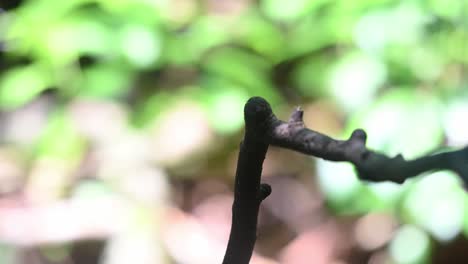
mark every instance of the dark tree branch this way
{"type": "Point", "coordinates": [263, 128]}
{"type": "Point", "coordinates": [370, 165]}
{"type": "Point", "coordinates": [248, 192]}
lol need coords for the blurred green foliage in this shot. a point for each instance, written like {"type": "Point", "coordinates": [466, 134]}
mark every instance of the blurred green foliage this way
{"type": "Point", "coordinates": [395, 68]}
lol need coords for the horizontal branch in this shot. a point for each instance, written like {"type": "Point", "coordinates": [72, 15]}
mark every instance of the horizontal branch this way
{"type": "Point", "coordinates": [370, 165]}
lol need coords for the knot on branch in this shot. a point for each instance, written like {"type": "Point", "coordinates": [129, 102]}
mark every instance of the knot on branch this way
{"type": "Point", "coordinates": [359, 135]}
{"type": "Point", "coordinates": [264, 191]}
{"type": "Point", "coordinates": [296, 116]}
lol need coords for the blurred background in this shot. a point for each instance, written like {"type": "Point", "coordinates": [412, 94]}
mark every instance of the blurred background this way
{"type": "Point", "coordinates": [120, 122]}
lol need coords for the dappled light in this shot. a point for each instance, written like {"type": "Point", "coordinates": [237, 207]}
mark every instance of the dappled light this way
{"type": "Point", "coordinates": [121, 123]}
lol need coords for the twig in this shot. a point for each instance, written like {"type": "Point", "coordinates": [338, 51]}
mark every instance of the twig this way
{"type": "Point", "coordinates": [370, 165]}
{"type": "Point", "coordinates": [263, 128]}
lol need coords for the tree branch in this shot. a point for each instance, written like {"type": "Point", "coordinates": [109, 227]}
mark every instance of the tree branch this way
{"type": "Point", "coordinates": [248, 192]}
{"type": "Point", "coordinates": [264, 128]}
{"type": "Point", "coordinates": [370, 165]}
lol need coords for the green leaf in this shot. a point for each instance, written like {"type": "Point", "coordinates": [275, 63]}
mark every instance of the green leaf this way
{"type": "Point", "coordinates": [403, 24]}
{"type": "Point", "coordinates": [106, 80]}
{"type": "Point", "coordinates": [347, 195]}
{"type": "Point", "coordinates": [338, 182]}
{"type": "Point", "coordinates": [310, 33]}
{"type": "Point", "coordinates": [254, 31]}
{"type": "Point", "coordinates": [289, 10]}
{"type": "Point", "coordinates": [450, 9]}
{"type": "Point", "coordinates": [244, 69]}
{"type": "Point", "coordinates": [203, 34]}
{"type": "Point", "coordinates": [401, 121]}
{"type": "Point", "coordinates": [454, 118]}
{"type": "Point", "coordinates": [140, 45]}
{"type": "Point", "coordinates": [61, 139]}
{"type": "Point", "coordinates": [224, 107]}
{"type": "Point", "coordinates": [355, 79]}
{"type": "Point", "coordinates": [20, 85]}
{"type": "Point", "coordinates": [149, 110]}
{"type": "Point", "coordinates": [310, 75]}
{"type": "Point", "coordinates": [436, 203]}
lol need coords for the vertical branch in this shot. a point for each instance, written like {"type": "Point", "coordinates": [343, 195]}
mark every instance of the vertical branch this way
{"type": "Point", "coordinates": [248, 192]}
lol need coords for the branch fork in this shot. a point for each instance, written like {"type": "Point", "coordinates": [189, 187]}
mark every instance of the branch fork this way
{"type": "Point", "coordinates": [263, 128]}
